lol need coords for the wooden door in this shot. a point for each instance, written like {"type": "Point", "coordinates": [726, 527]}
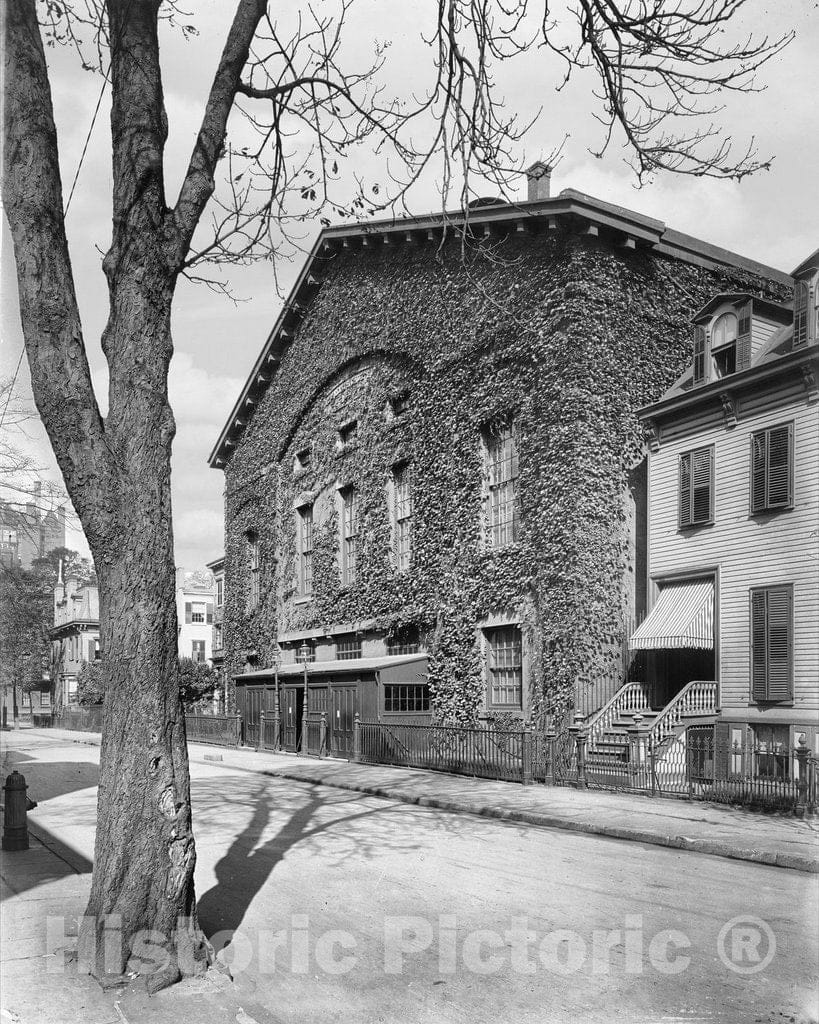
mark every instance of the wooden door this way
{"type": "Point", "coordinates": [250, 704]}
{"type": "Point", "coordinates": [292, 704]}
{"type": "Point", "coordinates": [341, 724]}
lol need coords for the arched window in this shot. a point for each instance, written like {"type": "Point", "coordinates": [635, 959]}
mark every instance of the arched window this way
{"type": "Point", "coordinates": [724, 331]}
{"type": "Point", "coordinates": [724, 344]}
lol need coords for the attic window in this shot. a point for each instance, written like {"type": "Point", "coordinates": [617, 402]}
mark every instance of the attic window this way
{"type": "Point", "coordinates": [724, 344]}
{"type": "Point", "coordinates": [348, 434]}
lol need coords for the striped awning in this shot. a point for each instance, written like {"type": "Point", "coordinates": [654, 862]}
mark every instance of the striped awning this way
{"type": "Point", "coordinates": [682, 617]}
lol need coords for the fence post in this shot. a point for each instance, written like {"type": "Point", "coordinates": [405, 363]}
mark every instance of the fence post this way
{"type": "Point", "coordinates": [277, 728]}
{"type": "Point", "coordinates": [636, 752]}
{"type": "Point", "coordinates": [652, 764]}
{"type": "Point", "coordinates": [260, 744]}
{"type": "Point", "coordinates": [549, 740]}
{"type": "Point", "coordinates": [323, 735]}
{"type": "Point", "coordinates": [802, 754]}
{"type": "Point", "coordinates": [578, 730]}
{"type": "Point", "coordinates": [357, 737]}
{"type": "Point", "coordinates": [526, 753]}
{"type": "Point", "coordinates": [238, 728]}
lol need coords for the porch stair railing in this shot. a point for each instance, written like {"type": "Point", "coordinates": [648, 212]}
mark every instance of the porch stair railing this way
{"type": "Point", "coordinates": [630, 699]}
{"type": "Point", "coordinates": [697, 699]}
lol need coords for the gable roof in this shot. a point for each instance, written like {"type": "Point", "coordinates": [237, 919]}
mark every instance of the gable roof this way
{"type": "Point", "coordinates": [633, 229]}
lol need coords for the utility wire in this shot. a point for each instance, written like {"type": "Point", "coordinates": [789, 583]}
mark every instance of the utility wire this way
{"type": "Point", "coordinates": [11, 386]}
{"type": "Point", "coordinates": [87, 140]}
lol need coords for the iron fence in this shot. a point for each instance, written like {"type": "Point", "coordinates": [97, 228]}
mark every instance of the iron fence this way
{"type": "Point", "coordinates": [79, 719]}
{"type": "Point", "coordinates": [482, 751]}
{"type": "Point", "coordinates": [220, 730]}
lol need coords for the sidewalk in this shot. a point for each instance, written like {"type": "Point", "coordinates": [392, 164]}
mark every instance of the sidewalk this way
{"type": "Point", "coordinates": [734, 833]}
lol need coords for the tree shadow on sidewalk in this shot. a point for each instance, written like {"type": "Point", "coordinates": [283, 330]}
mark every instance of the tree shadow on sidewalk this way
{"type": "Point", "coordinates": [243, 871]}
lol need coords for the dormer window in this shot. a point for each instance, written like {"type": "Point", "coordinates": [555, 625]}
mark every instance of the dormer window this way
{"type": "Point", "coordinates": [800, 313]}
{"type": "Point", "coordinates": [724, 344]}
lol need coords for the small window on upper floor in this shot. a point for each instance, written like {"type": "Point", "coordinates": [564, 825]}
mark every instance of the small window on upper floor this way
{"type": "Point", "coordinates": [347, 435]}
{"type": "Point", "coordinates": [399, 404]}
{"type": "Point", "coordinates": [303, 460]}
{"type": "Point", "coordinates": [801, 294]}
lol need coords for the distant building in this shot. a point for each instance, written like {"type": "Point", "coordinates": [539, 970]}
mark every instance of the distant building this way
{"type": "Point", "coordinates": [28, 533]}
{"type": "Point", "coordinates": [75, 635]}
{"type": "Point", "coordinates": [195, 599]}
{"type": "Point", "coordinates": [217, 567]}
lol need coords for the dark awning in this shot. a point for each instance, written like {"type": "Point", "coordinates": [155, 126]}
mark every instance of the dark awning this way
{"type": "Point", "coordinates": [387, 666]}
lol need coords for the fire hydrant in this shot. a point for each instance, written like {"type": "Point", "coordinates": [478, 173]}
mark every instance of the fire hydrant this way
{"type": "Point", "coordinates": [15, 826]}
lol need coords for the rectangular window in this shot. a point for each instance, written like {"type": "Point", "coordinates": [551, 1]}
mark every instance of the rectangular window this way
{"type": "Point", "coordinates": [198, 611]}
{"type": "Point", "coordinates": [97, 652]}
{"type": "Point", "coordinates": [772, 643]}
{"type": "Point", "coordinates": [501, 460]}
{"type": "Point", "coordinates": [253, 567]}
{"type": "Point", "coordinates": [349, 534]}
{"type": "Point", "coordinates": [505, 667]}
{"type": "Point", "coordinates": [406, 697]}
{"type": "Point", "coordinates": [306, 550]}
{"type": "Point", "coordinates": [801, 295]}
{"type": "Point", "coordinates": [404, 641]}
{"type": "Point", "coordinates": [198, 650]}
{"type": "Point", "coordinates": [303, 460]}
{"type": "Point", "coordinates": [348, 648]}
{"type": "Point", "coordinates": [772, 468]}
{"type": "Point", "coordinates": [772, 753]}
{"type": "Point", "coordinates": [217, 638]}
{"type": "Point", "coordinates": [402, 516]}
{"type": "Point", "coordinates": [220, 592]}
{"type": "Point", "coordinates": [697, 487]}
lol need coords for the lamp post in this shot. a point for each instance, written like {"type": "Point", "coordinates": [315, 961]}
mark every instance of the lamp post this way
{"type": "Point", "coordinates": [276, 660]}
{"type": "Point", "coordinates": [304, 657]}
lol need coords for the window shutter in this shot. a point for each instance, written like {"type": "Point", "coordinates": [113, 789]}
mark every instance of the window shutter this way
{"type": "Point", "coordinates": [779, 466]}
{"type": "Point", "coordinates": [188, 612]}
{"type": "Point", "coordinates": [759, 674]}
{"type": "Point", "coordinates": [685, 490]}
{"type": "Point", "coordinates": [209, 612]}
{"type": "Point", "coordinates": [780, 643]}
{"type": "Point", "coordinates": [800, 313]}
{"type": "Point", "coordinates": [759, 451]}
{"type": "Point", "coordinates": [699, 355]}
{"type": "Point", "coordinates": [744, 337]}
{"type": "Point", "coordinates": [701, 486]}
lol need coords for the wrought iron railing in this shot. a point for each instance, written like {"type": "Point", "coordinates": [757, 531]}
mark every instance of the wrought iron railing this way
{"type": "Point", "coordinates": [478, 750]}
{"type": "Point", "coordinates": [88, 719]}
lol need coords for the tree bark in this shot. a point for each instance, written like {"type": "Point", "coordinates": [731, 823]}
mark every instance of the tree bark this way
{"type": "Point", "coordinates": [117, 474]}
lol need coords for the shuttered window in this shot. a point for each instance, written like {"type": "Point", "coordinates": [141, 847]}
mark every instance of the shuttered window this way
{"type": "Point", "coordinates": [772, 468]}
{"type": "Point", "coordinates": [699, 355]}
{"type": "Point", "coordinates": [772, 643]}
{"type": "Point", "coordinates": [696, 487]}
{"type": "Point", "coordinates": [800, 313]}
{"type": "Point", "coordinates": [744, 337]}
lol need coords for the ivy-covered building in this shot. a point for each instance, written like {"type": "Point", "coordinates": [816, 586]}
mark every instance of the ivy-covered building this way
{"type": "Point", "coordinates": [435, 475]}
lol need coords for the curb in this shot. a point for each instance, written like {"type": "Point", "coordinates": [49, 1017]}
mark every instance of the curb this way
{"type": "Point", "coordinates": [709, 847]}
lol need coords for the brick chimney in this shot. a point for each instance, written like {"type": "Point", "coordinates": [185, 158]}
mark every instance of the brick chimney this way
{"type": "Point", "coordinates": [538, 180]}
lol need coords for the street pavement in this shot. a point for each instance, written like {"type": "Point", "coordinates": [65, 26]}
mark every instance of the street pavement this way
{"type": "Point", "coordinates": [343, 906]}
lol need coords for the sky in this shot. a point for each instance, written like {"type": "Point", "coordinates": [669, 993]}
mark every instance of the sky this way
{"type": "Point", "coordinates": [772, 217]}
